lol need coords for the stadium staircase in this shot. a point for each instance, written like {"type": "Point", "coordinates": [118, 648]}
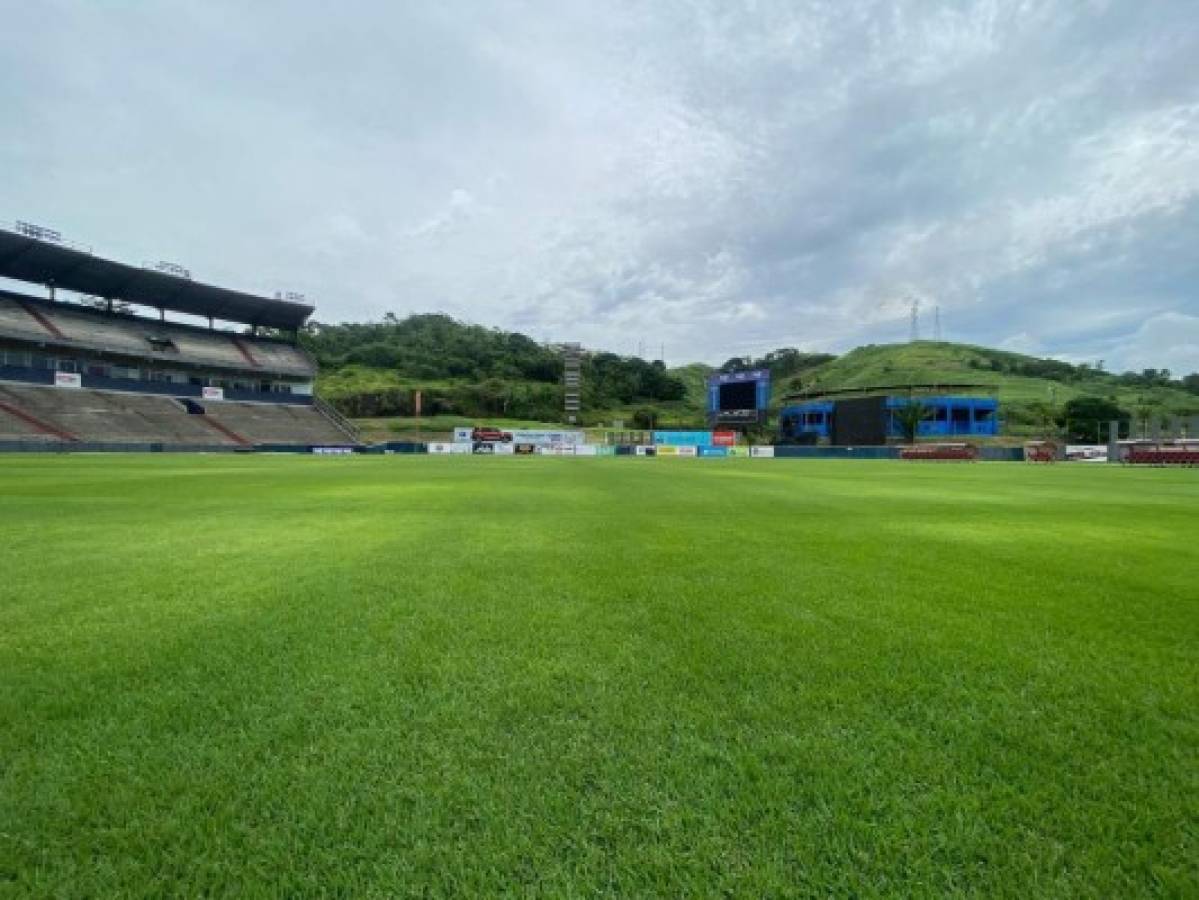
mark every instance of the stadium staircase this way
{"type": "Point", "coordinates": [42, 320]}
{"type": "Point", "coordinates": [246, 354]}
{"type": "Point", "coordinates": [340, 422]}
{"type": "Point", "coordinates": [21, 425]}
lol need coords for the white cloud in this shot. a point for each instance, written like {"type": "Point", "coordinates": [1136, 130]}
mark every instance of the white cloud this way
{"type": "Point", "coordinates": [706, 174]}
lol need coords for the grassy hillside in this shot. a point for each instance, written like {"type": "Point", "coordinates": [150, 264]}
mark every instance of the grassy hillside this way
{"type": "Point", "coordinates": [373, 371]}
{"type": "Point", "coordinates": [1018, 380]}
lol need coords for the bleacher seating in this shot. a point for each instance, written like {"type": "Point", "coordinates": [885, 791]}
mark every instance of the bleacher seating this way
{"type": "Point", "coordinates": [940, 452]}
{"type": "Point", "coordinates": [112, 417]}
{"type": "Point", "coordinates": [1163, 456]}
{"type": "Point", "coordinates": [113, 333]}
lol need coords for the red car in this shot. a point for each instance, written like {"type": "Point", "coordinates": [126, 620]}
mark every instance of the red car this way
{"type": "Point", "coordinates": [490, 434]}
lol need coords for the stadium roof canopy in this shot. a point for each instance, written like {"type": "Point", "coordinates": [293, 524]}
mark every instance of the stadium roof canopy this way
{"type": "Point", "coordinates": [28, 259]}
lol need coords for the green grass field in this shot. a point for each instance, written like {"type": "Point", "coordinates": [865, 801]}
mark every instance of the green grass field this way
{"type": "Point", "coordinates": [445, 676]}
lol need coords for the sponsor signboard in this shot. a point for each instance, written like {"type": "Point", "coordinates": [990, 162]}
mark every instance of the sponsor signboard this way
{"type": "Point", "coordinates": [68, 379]}
{"type": "Point", "coordinates": [724, 438]}
{"type": "Point", "coordinates": [713, 451]}
{"type": "Point", "coordinates": [462, 435]}
{"type": "Point", "coordinates": [761, 452]}
{"type": "Point", "coordinates": [646, 451]}
{"type": "Point", "coordinates": [688, 451]}
{"type": "Point", "coordinates": [525, 436]}
{"type": "Point", "coordinates": [213, 393]}
{"type": "Point", "coordinates": [586, 450]}
{"type": "Point", "coordinates": [333, 451]}
{"type": "Point", "coordinates": [524, 449]}
{"type": "Point", "coordinates": [603, 450]}
{"type": "Point", "coordinates": [482, 447]}
{"type": "Point", "coordinates": [446, 447]}
{"type": "Point", "coordinates": [504, 449]}
{"type": "Point", "coordinates": [683, 438]}
{"type": "Point", "coordinates": [738, 451]}
{"type": "Point", "coordinates": [667, 450]}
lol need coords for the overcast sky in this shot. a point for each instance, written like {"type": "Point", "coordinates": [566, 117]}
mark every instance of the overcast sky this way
{"type": "Point", "coordinates": [716, 177]}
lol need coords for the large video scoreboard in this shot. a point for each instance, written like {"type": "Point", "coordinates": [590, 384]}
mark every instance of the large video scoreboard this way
{"type": "Point", "coordinates": [738, 398]}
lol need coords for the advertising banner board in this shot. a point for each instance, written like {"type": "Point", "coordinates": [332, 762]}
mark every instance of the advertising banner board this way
{"type": "Point", "coordinates": [683, 438]}
{"type": "Point", "coordinates": [213, 393]}
{"type": "Point", "coordinates": [68, 379]}
{"type": "Point", "coordinates": [688, 451]}
{"type": "Point", "coordinates": [646, 451]}
{"type": "Point", "coordinates": [667, 450]}
{"type": "Point", "coordinates": [762, 452]}
{"type": "Point", "coordinates": [444, 447]}
{"type": "Point", "coordinates": [713, 451]}
{"type": "Point", "coordinates": [525, 436]}
{"type": "Point", "coordinates": [333, 451]}
{"type": "Point", "coordinates": [524, 449]}
{"type": "Point", "coordinates": [462, 435]}
{"type": "Point", "coordinates": [739, 451]}
{"type": "Point", "coordinates": [724, 438]}
{"type": "Point", "coordinates": [586, 450]}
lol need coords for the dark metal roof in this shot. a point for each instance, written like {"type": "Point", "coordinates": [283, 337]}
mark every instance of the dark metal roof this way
{"type": "Point", "coordinates": [42, 262]}
{"type": "Point", "coordinates": [816, 393]}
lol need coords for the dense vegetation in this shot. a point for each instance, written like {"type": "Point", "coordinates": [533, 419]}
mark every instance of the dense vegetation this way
{"type": "Point", "coordinates": [433, 676]}
{"type": "Point", "coordinates": [376, 369]}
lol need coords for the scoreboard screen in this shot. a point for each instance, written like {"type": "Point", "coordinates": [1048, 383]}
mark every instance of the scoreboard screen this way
{"type": "Point", "coordinates": [738, 397]}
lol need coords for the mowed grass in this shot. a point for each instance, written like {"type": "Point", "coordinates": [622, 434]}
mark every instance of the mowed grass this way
{"type": "Point", "coordinates": [463, 676]}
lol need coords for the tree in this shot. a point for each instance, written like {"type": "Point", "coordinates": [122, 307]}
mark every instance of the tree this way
{"type": "Point", "coordinates": [1085, 418]}
{"type": "Point", "coordinates": [909, 416]}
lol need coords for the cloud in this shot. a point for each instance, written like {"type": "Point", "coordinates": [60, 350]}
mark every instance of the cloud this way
{"type": "Point", "coordinates": [715, 176]}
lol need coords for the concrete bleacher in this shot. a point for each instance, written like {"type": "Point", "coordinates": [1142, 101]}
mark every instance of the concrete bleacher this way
{"type": "Point", "coordinates": [61, 325]}
{"type": "Point", "coordinates": [114, 417]}
{"type": "Point", "coordinates": [264, 423]}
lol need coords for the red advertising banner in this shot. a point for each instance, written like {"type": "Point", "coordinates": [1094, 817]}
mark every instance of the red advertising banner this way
{"type": "Point", "coordinates": [724, 438]}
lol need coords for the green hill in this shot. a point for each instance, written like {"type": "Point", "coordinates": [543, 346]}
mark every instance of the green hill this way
{"type": "Point", "coordinates": [1024, 385]}
{"type": "Point", "coordinates": [375, 370]}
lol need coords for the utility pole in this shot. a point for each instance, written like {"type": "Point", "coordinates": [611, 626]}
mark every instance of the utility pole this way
{"type": "Point", "coordinates": [914, 333]}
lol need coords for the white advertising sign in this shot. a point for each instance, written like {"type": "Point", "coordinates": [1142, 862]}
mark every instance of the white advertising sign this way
{"type": "Point", "coordinates": [444, 447]}
{"type": "Point", "coordinates": [505, 449]}
{"type": "Point", "coordinates": [761, 452]}
{"type": "Point", "coordinates": [643, 450]}
{"type": "Point", "coordinates": [462, 435]}
{"type": "Point", "coordinates": [688, 451]}
{"type": "Point", "coordinates": [68, 379]}
{"type": "Point", "coordinates": [521, 436]}
{"type": "Point", "coordinates": [213, 393]}
{"type": "Point", "coordinates": [585, 450]}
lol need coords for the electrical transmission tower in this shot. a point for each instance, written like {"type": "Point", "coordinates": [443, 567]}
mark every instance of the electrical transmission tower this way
{"type": "Point", "coordinates": [914, 333]}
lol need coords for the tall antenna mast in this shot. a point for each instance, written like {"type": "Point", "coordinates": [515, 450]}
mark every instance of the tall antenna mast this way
{"type": "Point", "coordinates": [937, 323]}
{"type": "Point", "coordinates": [914, 334]}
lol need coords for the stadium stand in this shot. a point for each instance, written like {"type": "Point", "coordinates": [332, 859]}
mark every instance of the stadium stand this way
{"type": "Point", "coordinates": [93, 372]}
{"type": "Point", "coordinates": [940, 452]}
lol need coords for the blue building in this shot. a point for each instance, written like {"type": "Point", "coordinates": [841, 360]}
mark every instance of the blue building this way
{"type": "Point", "coordinates": [946, 416]}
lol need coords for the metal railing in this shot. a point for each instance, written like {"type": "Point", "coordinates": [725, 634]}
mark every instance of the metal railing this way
{"type": "Point", "coordinates": [344, 425]}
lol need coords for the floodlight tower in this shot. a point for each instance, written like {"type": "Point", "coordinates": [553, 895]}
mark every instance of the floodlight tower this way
{"type": "Point", "coordinates": [572, 378]}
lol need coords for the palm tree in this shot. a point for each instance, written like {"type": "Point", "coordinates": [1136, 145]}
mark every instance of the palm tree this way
{"type": "Point", "coordinates": [909, 416]}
